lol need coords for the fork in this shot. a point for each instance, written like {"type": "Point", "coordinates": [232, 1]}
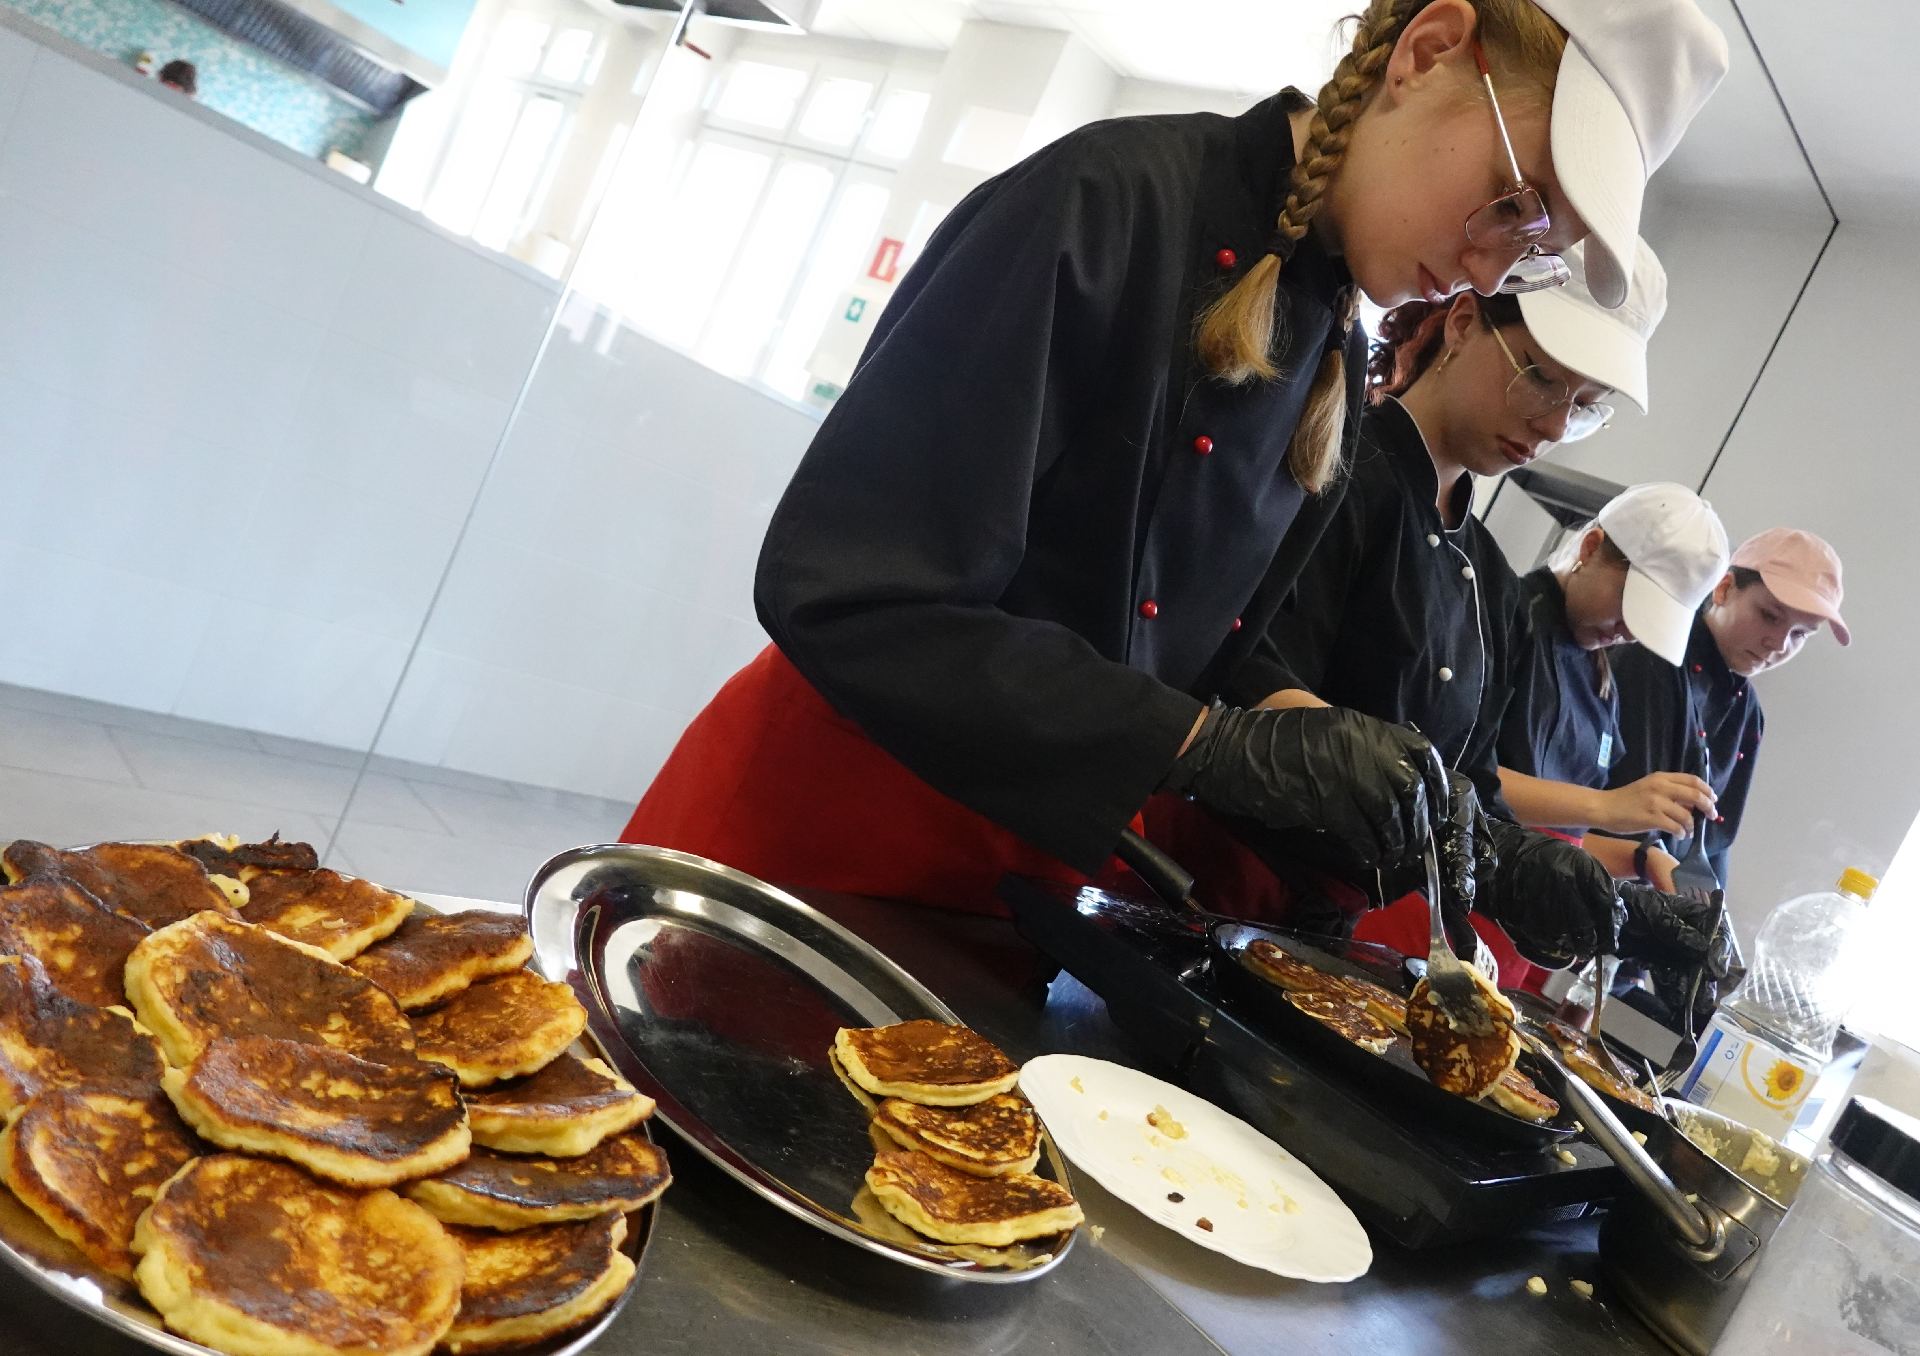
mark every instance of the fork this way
{"type": "Point", "coordinates": [1448, 980]}
{"type": "Point", "coordinates": [1693, 876]}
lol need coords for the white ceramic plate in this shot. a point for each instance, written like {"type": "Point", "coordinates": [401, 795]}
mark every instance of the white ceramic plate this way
{"type": "Point", "coordinates": [1267, 1208]}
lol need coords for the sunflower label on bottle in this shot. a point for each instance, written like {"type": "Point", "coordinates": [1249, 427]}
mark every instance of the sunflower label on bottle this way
{"type": "Point", "coordinates": [1745, 1077]}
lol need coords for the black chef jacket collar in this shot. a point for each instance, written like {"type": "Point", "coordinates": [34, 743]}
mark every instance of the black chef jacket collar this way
{"type": "Point", "coordinates": [1704, 660]}
{"type": "Point", "coordinates": [1551, 605]}
{"type": "Point", "coordinates": [1395, 431]}
{"type": "Point", "coordinates": [1263, 153]}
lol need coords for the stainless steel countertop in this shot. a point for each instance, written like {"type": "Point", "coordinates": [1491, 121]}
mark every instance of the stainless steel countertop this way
{"type": "Point", "coordinates": [726, 1273]}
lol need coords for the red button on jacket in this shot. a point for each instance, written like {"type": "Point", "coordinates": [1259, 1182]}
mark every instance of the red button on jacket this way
{"type": "Point", "coordinates": [1225, 258]}
{"type": "Point", "coordinates": [1149, 609]}
{"type": "Point", "coordinates": [1203, 444]}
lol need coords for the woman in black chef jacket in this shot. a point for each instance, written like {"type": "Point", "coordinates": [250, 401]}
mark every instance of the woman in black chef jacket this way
{"type": "Point", "coordinates": [1703, 717]}
{"type": "Point", "coordinates": [1097, 429]}
{"type": "Point", "coordinates": [1404, 610]}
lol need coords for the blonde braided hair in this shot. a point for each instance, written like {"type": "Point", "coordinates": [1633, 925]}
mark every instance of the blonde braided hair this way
{"type": "Point", "coordinates": [1236, 334]}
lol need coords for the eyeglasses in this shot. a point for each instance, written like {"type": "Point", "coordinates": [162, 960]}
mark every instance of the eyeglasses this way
{"type": "Point", "coordinates": [1533, 394]}
{"type": "Point", "coordinates": [1517, 220]}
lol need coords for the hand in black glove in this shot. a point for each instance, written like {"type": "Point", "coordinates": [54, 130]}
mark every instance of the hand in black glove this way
{"type": "Point", "coordinates": [1557, 903]}
{"type": "Point", "coordinates": [1466, 844]}
{"type": "Point", "coordinates": [1664, 929]}
{"type": "Point", "coordinates": [1362, 783]}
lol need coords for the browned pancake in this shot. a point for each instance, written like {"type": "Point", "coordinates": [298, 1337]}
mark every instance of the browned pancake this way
{"type": "Point", "coordinates": [956, 1207]}
{"type": "Point", "coordinates": [563, 1111]}
{"type": "Point", "coordinates": [344, 1118]}
{"type": "Point", "coordinates": [1517, 1095]}
{"type": "Point", "coordinates": [925, 1061]}
{"type": "Point", "coordinates": [242, 861]}
{"type": "Point", "coordinates": [1576, 1049]}
{"type": "Point", "coordinates": [988, 1139]}
{"type": "Point", "coordinates": [1382, 1002]}
{"type": "Point", "coordinates": [50, 1040]}
{"type": "Point", "coordinates": [151, 883]}
{"type": "Point", "coordinates": [433, 956]}
{"type": "Point", "coordinates": [248, 1255]}
{"type": "Point", "coordinates": [506, 1191]}
{"type": "Point", "coordinates": [1458, 1061]}
{"type": "Point", "coordinates": [342, 915]}
{"type": "Point", "coordinates": [505, 1027]}
{"type": "Point", "coordinates": [210, 976]}
{"type": "Point", "coordinates": [88, 1160]}
{"type": "Point", "coordinates": [534, 1283]}
{"type": "Point", "coordinates": [83, 944]}
{"type": "Point", "coordinates": [1289, 972]}
{"type": "Point", "coordinates": [1346, 1017]}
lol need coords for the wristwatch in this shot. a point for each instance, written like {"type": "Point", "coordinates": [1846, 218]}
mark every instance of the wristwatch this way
{"type": "Point", "coordinates": [1640, 862]}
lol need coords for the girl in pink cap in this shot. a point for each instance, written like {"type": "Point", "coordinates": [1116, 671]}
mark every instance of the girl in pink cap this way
{"type": "Point", "coordinates": [1704, 716]}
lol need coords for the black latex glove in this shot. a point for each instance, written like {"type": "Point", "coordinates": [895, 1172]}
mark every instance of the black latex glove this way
{"type": "Point", "coordinates": [1692, 987]}
{"type": "Point", "coordinates": [1466, 844]}
{"type": "Point", "coordinates": [1664, 929]}
{"type": "Point", "coordinates": [1556, 902]}
{"type": "Point", "coordinates": [1364, 785]}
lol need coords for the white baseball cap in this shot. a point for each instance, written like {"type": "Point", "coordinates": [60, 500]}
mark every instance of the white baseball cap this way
{"type": "Point", "coordinates": [1634, 75]}
{"type": "Point", "coordinates": [1607, 346]}
{"type": "Point", "coordinates": [1677, 551]}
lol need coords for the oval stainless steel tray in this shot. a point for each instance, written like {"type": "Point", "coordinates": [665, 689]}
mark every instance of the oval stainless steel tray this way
{"type": "Point", "coordinates": [35, 1253]}
{"type": "Point", "coordinates": [719, 996]}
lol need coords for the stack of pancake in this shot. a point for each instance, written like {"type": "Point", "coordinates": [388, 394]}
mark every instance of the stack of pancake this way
{"type": "Point", "coordinates": [1371, 1016]}
{"type": "Point", "coordinates": [299, 1112]}
{"type": "Point", "coordinates": [955, 1146]}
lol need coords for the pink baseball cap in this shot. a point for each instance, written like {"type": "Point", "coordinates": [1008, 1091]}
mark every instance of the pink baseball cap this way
{"type": "Point", "coordinates": [1802, 571]}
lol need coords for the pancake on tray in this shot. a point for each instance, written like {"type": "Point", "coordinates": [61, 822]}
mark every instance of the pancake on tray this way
{"type": "Point", "coordinates": [925, 1061]}
{"type": "Point", "coordinates": [1576, 1049]}
{"type": "Point", "coordinates": [988, 1139]}
{"type": "Point", "coordinates": [339, 1116]}
{"type": "Point", "coordinates": [50, 1040]}
{"type": "Point", "coordinates": [151, 883]}
{"type": "Point", "coordinates": [956, 1207]}
{"type": "Point", "coordinates": [503, 1191]}
{"type": "Point", "coordinates": [868, 1102]}
{"type": "Point", "coordinates": [342, 915]}
{"type": "Point", "coordinates": [1377, 999]}
{"type": "Point", "coordinates": [224, 855]}
{"type": "Point", "coordinates": [562, 1111]}
{"type": "Point", "coordinates": [253, 1257]}
{"type": "Point", "coordinates": [873, 1217]}
{"type": "Point", "coordinates": [88, 1160]}
{"type": "Point", "coordinates": [501, 1028]}
{"type": "Point", "coordinates": [83, 944]}
{"type": "Point", "coordinates": [434, 956]}
{"type": "Point", "coordinates": [535, 1283]}
{"type": "Point", "coordinates": [1518, 1095]}
{"type": "Point", "coordinates": [1289, 972]}
{"type": "Point", "coordinates": [1458, 1061]}
{"type": "Point", "coordinates": [1345, 1017]}
{"type": "Point", "coordinates": [209, 976]}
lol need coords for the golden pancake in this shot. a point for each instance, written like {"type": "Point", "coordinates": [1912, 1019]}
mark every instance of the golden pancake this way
{"type": "Point", "coordinates": [1517, 1095]}
{"type": "Point", "coordinates": [925, 1061]}
{"type": "Point", "coordinates": [256, 1258]}
{"type": "Point", "coordinates": [342, 915]}
{"type": "Point", "coordinates": [151, 883]}
{"type": "Point", "coordinates": [1577, 1052]}
{"type": "Point", "coordinates": [1289, 972]}
{"type": "Point", "coordinates": [1458, 1061]}
{"type": "Point", "coordinates": [83, 944]}
{"type": "Point", "coordinates": [49, 1040]}
{"type": "Point", "coordinates": [88, 1160]}
{"type": "Point", "coordinates": [1346, 1018]}
{"type": "Point", "coordinates": [1384, 1004]}
{"type": "Point", "coordinates": [434, 956]}
{"type": "Point", "coordinates": [868, 1102]}
{"type": "Point", "coordinates": [339, 1116]}
{"type": "Point", "coordinates": [873, 1217]}
{"type": "Point", "coordinates": [501, 1028]}
{"type": "Point", "coordinates": [562, 1111]}
{"type": "Point", "coordinates": [957, 1207]}
{"type": "Point", "coordinates": [533, 1283]}
{"type": "Point", "coordinates": [226, 856]}
{"type": "Point", "coordinates": [502, 1191]}
{"type": "Point", "coordinates": [988, 1139]}
{"type": "Point", "coordinates": [209, 976]}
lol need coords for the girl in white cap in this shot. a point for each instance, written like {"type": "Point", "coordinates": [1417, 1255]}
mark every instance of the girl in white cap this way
{"type": "Point", "coordinates": [1100, 425]}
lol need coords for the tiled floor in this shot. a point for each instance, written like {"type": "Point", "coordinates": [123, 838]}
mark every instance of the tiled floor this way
{"type": "Point", "coordinates": [76, 771]}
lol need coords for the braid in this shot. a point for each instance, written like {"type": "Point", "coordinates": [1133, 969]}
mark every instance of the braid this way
{"type": "Point", "coordinates": [1339, 104]}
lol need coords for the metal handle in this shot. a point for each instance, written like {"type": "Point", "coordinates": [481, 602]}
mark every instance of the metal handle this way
{"type": "Point", "coordinates": [1169, 880]}
{"type": "Point", "coordinates": [1704, 1234]}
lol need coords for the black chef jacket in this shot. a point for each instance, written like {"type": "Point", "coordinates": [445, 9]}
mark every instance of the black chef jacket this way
{"type": "Point", "coordinates": [1395, 614]}
{"type": "Point", "coordinates": [1033, 530]}
{"type": "Point", "coordinates": [1700, 717]}
{"type": "Point", "coordinates": [1557, 727]}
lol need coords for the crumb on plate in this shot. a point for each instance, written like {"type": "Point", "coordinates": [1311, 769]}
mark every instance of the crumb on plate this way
{"type": "Point", "coordinates": [1536, 1285]}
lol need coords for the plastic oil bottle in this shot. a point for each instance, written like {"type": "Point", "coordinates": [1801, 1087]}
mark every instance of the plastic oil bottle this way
{"type": "Point", "coordinates": [1771, 1037]}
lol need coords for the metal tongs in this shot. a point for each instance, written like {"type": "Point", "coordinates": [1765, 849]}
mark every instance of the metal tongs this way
{"type": "Point", "coordinates": [1462, 1001]}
